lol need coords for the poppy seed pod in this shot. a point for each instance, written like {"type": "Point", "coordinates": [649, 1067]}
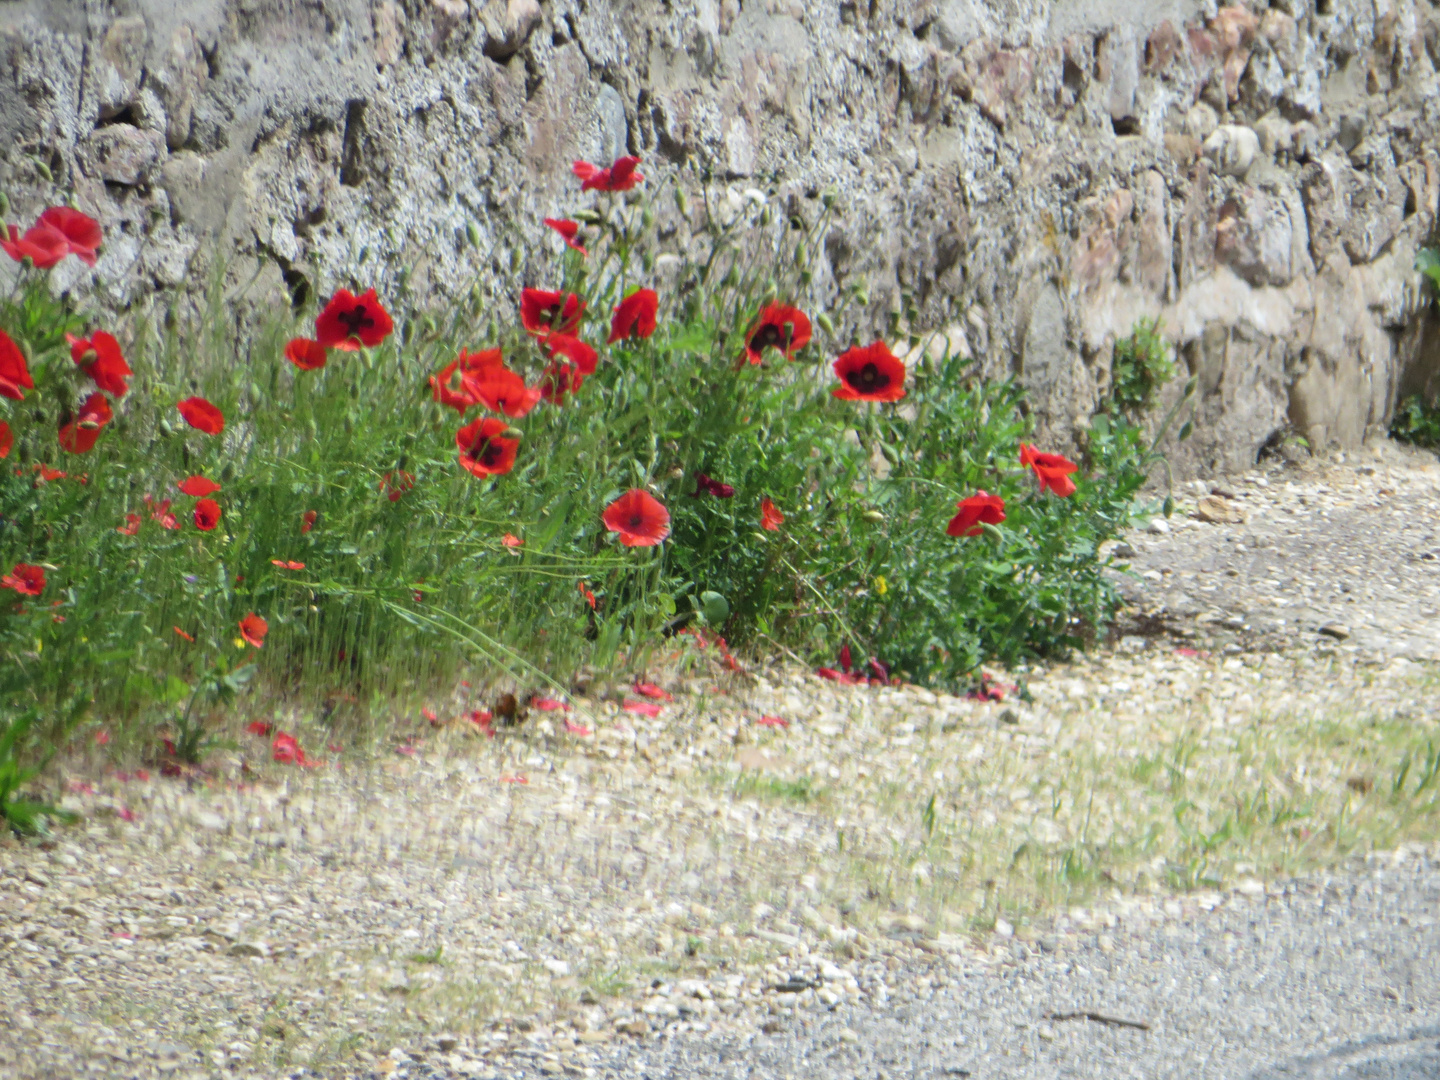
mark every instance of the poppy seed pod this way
{"type": "Point", "coordinates": [512, 433]}
{"type": "Point", "coordinates": [873, 515]}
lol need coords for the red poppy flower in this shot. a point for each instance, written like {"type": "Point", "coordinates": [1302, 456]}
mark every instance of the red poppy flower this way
{"type": "Point", "coordinates": [705, 485]}
{"type": "Point", "coordinates": [260, 727]}
{"type": "Point", "coordinates": [397, 483]}
{"type": "Point", "coordinates": [306, 354]}
{"type": "Point", "coordinates": [25, 579]}
{"type": "Point", "coordinates": [484, 449]}
{"type": "Point", "coordinates": [253, 629]}
{"type": "Point", "coordinates": [202, 416]}
{"type": "Point", "coordinates": [131, 526]}
{"type": "Point", "coordinates": [81, 232]}
{"type": "Point", "coordinates": [634, 316]}
{"type": "Point", "coordinates": [770, 517]}
{"type": "Point", "coordinates": [547, 704]}
{"type": "Point", "coordinates": [544, 311]}
{"type": "Point", "coordinates": [500, 390]}
{"type": "Point", "coordinates": [207, 514]}
{"type": "Point", "coordinates": [558, 380]}
{"type": "Point", "coordinates": [99, 357]}
{"type": "Point", "coordinates": [287, 564]}
{"type": "Point", "coordinates": [641, 708]}
{"type": "Point", "coordinates": [576, 729]}
{"type": "Point", "coordinates": [778, 327]}
{"type": "Point", "coordinates": [569, 230]}
{"type": "Point", "coordinates": [450, 389]}
{"type": "Point", "coordinates": [79, 435]}
{"type": "Point", "coordinates": [7, 440]}
{"type": "Point", "coordinates": [772, 721]}
{"type": "Point", "coordinates": [588, 595]}
{"type": "Point", "coordinates": [1052, 470]}
{"type": "Point", "coordinates": [286, 750]}
{"type": "Point", "coordinates": [198, 486]}
{"type": "Point", "coordinates": [980, 508]}
{"type": "Point", "coordinates": [307, 521]}
{"type": "Point", "coordinates": [510, 540]}
{"type": "Point", "coordinates": [639, 518]}
{"type": "Point", "coordinates": [160, 511]}
{"type": "Point", "coordinates": [182, 633]}
{"type": "Point", "coordinates": [42, 245]}
{"type": "Point", "coordinates": [870, 373]}
{"type": "Point", "coordinates": [14, 372]}
{"type": "Point", "coordinates": [350, 321]}
{"type": "Point", "coordinates": [650, 690]}
{"type": "Point", "coordinates": [620, 176]}
{"type": "Point", "coordinates": [47, 473]}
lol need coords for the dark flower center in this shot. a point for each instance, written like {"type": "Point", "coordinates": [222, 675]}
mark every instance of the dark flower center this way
{"type": "Point", "coordinates": [868, 379]}
{"type": "Point", "coordinates": [490, 452]}
{"type": "Point", "coordinates": [636, 520]}
{"type": "Point", "coordinates": [771, 335]}
{"type": "Point", "coordinates": [356, 320]}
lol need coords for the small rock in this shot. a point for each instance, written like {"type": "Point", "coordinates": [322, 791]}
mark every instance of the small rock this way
{"type": "Point", "coordinates": [772, 1027]}
{"type": "Point", "coordinates": [447, 1043]}
{"type": "Point", "coordinates": [636, 1027]}
{"type": "Point", "coordinates": [848, 1036]}
{"type": "Point", "coordinates": [1046, 1032]}
{"type": "Point", "coordinates": [1219, 511]}
{"type": "Point", "coordinates": [1158, 526]}
{"type": "Point", "coordinates": [1338, 631]}
{"type": "Point", "coordinates": [1003, 928]}
{"type": "Point", "coordinates": [249, 949]}
{"type": "Point", "coordinates": [1250, 887]}
{"type": "Point", "coordinates": [1123, 551]}
{"type": "Point", "coordinates": [1106, 944]}
{"type": "Point", "coordinates": [558, 968]}
{"type": "Point", "coordinates": [35, 877]}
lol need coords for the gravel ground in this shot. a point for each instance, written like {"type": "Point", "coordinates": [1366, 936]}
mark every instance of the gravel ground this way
{"type": "Point", "coordinates": [890, 883]}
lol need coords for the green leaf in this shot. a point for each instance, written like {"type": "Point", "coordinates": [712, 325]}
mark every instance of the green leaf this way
{"type": "Point", "coordinates": [714, 607]}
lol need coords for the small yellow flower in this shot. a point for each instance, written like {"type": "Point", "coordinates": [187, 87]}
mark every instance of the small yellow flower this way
{"type": "Point", "coordinates": [240, 643]}
{"type": "Point", "coordinates": [881, 586]}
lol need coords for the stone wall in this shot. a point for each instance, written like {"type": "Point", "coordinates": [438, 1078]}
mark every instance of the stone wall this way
{"type": "Point", "coordinates": [1036, 175]}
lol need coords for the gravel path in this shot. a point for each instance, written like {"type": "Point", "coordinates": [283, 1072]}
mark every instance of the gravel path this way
{"type": "Point", "coordinates": [891, 883]}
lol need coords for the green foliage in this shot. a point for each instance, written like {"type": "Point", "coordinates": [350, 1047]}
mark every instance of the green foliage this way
{"type": "Point", "coordinates": [1427, 261]}
{"type": "Point", "coordinates": [25, 817]}
{"type": "Point", "coordinates": [404, 578]}
{"type": "Point", "coordinates": [1141, 365]}
{"type": "Point", "coordinates": [1416, 422]}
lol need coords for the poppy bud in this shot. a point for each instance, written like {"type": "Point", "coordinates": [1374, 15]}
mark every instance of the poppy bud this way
{"type": "Point", "coordinates": [472, 233]}
{"type": "Point", "coordinates": [517, 259]}
{"type": "Point", "coordinates": [681, 203]}
{"type": "Point", "coordinates": [44, 171]}
{"type": "Point", "coordinates": [800, 254]}
{"type": "Point", "coordinates": [862, 297]}
{"type": "Point", "coordinates": [825, 324]}
{"type": "Point", "coordinates": [89, 356]}
{"type": "Point", "coordinates": [1185, 430]}
{"type": "Point", "coordinates": [806, 277]}
{"type": "Point", "coordinates": [165, 429]}
{"type": "Point", "coordinates": [227, 473]}
{"type": "Point", "coordinates": [677, 473]}
{"type": "Point", "coordinates": [512, 433]}
{"type": "Point", "coordinates": [828, 197]}
{"type": "Point", "coordinates": [364, 253]}
{"type": "Point", "coordinates": [873, 515]}
{"type": "Point", "coordinates": [648, 261]}
{"type": "Point", "coordinates": [647, 218]}
{"type": "Point", "coordinates": [4, 205]}
{"type": "Point", "coordinates": [765, 216]}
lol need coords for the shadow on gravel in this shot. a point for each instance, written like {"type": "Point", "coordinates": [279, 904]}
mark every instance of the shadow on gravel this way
{"type": "Point", "coordinates": [1412, 1056]}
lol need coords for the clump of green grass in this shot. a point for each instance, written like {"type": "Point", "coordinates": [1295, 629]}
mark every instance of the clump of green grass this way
{"type": "Point", "coordinates": [382, 567]}
{"type": "Point", "coordinates": [1416, 422]}
{"type": "Point", "coordinates": [1140, 366]}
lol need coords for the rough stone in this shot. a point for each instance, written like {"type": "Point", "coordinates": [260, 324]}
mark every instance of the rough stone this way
{"type": "Point", "coordinates": [1042, 172]}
